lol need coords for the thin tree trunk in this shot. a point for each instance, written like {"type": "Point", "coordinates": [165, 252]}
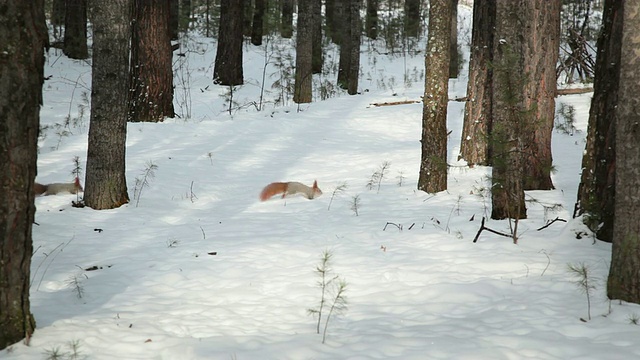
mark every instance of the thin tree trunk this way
{"type": "Point", "coordinates": [623, 278]}
{"type": "Point", "coordinates": [286, 27]}
{"type": "Point", "coordinates": [316, 37]}
{"type": "Point", "coordinates": [106, 185]}
{"type": "Point", "coordinates": [454, 59]}
{"type": "Point", "coordinates": [22, 71]}
{"type": "Point", "coordinates": [174, 19]}
{"type": "Point", "coordinates": [596, 193]}
{"type": "Point", "coordinates": [412, 18]}
{"type": "Point", "coordinates": [433, 165]}
{"type": "Point", "coordinates": [372, 19]}
{"type": "Point", "coordinates": [475, 145]}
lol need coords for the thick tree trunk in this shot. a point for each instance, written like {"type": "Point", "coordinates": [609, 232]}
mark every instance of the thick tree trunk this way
{"type": "Point", "coordinates": [106, 185]}
{"type": "Point", "coordinates": [334, 12]}
{"type": "Point", "coordinates": [23, 32]}
{"type": "Point", "coordinates": [596, 193]}
{"type": "Point", "coordinates": [475, 145]}
{"type": "Point", "coordinates": [303, 77]}
{"type": "Point", "coordinates": [247, 17]}
{"type": "Point", "coordinates": [257, 27]}
{"type": "Point", "coordinates": [349, 65]}
{"type": "Point", "coordinates": [412, 18]}
{"type": "Point", "coordinates": [227, 68]}
{"type": "Point", "coordinates": [151, 72]}
{"type": "Point", "coordinates": [510, 115]}
{"type": "Point", "coordinates": [371, 22]}
{"type": "Point", "coordinates": [433, 165]}
{"type": "Point", "coordinates": [542, 42]}
{"type": "Point", "coordinates": [286, 26]}
{"type": "Point", "coordinates": [623, 282]}
{"type": "Point", "coordinates": [174, 19]}
{"type": "Point", "coordinates": [75, 29]}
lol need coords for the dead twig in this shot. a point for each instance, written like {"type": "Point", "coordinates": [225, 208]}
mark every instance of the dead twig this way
{"type": "Point", "coordinates": [482, 227]}
{"type": "Point", "coordinates": [551, 222]}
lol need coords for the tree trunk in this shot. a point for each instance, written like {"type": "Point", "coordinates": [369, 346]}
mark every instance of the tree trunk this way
{"type": "Point", "coordinates": [185, 15]}
{"type": "Point", "coordinates": [174, 19]}
{"type": "Point", "coordinates": [542, 42]}
{"type": "Point", "coordinates": [412, 18]}
{"type": "Point", "coordinates": [151, 73]}
{"type": "Point", "coordinates": [371, 22]}
{"type": "Point", "coordinates": [510, 114]}
{"type": "Point", "coordinates": [106, 185]}
{"type": "Point", "coordinates": [75, 30]}
{"type": "Point", "coordinates": [335, 22]}
{"type": "Point", "coordinates": [316, 37]}
{"type": "Point", "coordinates": [623, 281]}
{"type": "Point", "coordinates": [433, 165]}
{"type": "Point", "coordinates": [454, 59]}
{"type": "Point", "coordinates": [596, 193]}
{"type": "Point", "coordinates": [258, 20]}
{"type": "Point", "coordinates": [227, 68]}
{"type": "Point", "coordinates": [286, 27]}
{"type": "Point", "coordinates": [349, 65]}
{"type": "Point", "coordinates": [23, 30]}
{"type": "Point", "coordinates": [303, 77]}
{"type": "Point", "coordinates": [475, 145]}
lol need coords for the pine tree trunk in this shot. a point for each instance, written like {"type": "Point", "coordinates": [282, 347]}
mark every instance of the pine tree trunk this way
{"type": "Point", "coordinates": [475, 145]}
{"type": "Point", "coordinates": [349, 65]}
{"type": "Point", "coordinates": [510, 114]}
{"type": "Point", "coordinates": [303, 77]}
{"type": "Point", "coordinates": [316, 35]}
{"type": "Point", "coordinates": [433, 165]}
{"type": "Point", "coordinates": [247, 17]}
{"type": "Point", "coordinates": [335, 22]}
{"type": "Point", "coordinates": [596, 193]}
{"type": "Point", "coordinates": [623, 278]}
{"type": "Point", "coordinates": [75, 30]}
{"type": "Point", "coordinates": [412, 18]}
{"type": "Point", "coordinates": [371, 23]}
{"type": "Point", "coordinates": [106, 185]}
{"type": "Point", "coordinates": [151, 72]}
{"type": "Point", "coordinates": [174, 19]}
{"type": "Point", "coordinates": [454, 58]}
{"type": "Point", "coordinates": [542, 42]}
{"type": "Point", "coordinates": [228, 64]}
{"type": "Point", "coordinates": [257, 26]}
{"type": "Point", "coordinates": [23, 30]}
{"type": "Point", "coordinates": [185, 15]}
{"type": "Point", "coordinates": [286, 27]}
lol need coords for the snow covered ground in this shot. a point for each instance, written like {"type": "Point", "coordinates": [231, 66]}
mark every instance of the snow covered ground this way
{"type": "Point", "coordinates": [198, 268]}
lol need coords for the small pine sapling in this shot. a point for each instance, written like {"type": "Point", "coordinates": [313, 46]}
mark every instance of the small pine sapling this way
{"type": "Point", "coordinates": [584, 281]}
{"type": "Point", "coordinates": [377, 176]}
{"type": "Point", "coordinates": [147, 175]}
{"type": "Point", "coordinates": [338, 306]}
{"type": "Point", "coordinates": [322, 271]}
{"type": "Point", "coordinates": [340, 188]}
{"type": "Point", "coordinates": [77, 172]}
{"type": "Point", "coordinates": [355, 204]}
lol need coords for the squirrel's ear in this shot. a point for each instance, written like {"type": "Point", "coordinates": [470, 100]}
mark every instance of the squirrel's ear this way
{"type": "Point", "coordinates": [315, 183]}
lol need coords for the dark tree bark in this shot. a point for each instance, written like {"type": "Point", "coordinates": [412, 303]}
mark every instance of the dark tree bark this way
{"type": "Point", "coordinates": [106, 185]}
{"type": "Point", "coordinates": [286, 26]}
{"type": "Point", "coordinates": [335, 19]}
{"type": "Point", "coordinates": [24, 36]}
{"type": "Point", "coordinates": [623, 282]}
{"type": "Point", "coordinates": [174, 19]}
{"type": "Point", "coordinates": [316, 37]}
{"type": "Point", "coordinates": [454, 59]}
{"type": "Point", "coordinates": [75, 29]}
{"type": "Point", "coordinates": [433, 165]}
{"type": "Point", "coordinates": [257, 27]}
{"type": "Point", "coordinates": [151, 73]}
{"type": "Point", "coordinates": [228, 64]}
{"type": "Point", "coordinates": [371, 23]}
{"type": "Point", "coordinates": [475, 145]}
{"type": "Point", "coordinates": [349, 65]}
{"type": "Point", "coordinates": [510, 114]}
{"type": "Point", "coordinates": [185, 15]}
{"type": "Point", "coordinates": [247, 17]}
{"type": "Point", "coordinates": [412, 18]}
{"type": "Point", "coordinates": [542, 44]}
{"type": "Point", "coordinates": [304, 37]}
{"type": "Point", "coordinates": [58, 12]}
{"type": "Point", "coordinates": [596, 193]}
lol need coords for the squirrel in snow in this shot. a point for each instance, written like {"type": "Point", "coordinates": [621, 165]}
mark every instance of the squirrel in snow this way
{"type": "Point", "coordinates": [290, 188]}
{"type": "Point", "coordinates": [57, 188]}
